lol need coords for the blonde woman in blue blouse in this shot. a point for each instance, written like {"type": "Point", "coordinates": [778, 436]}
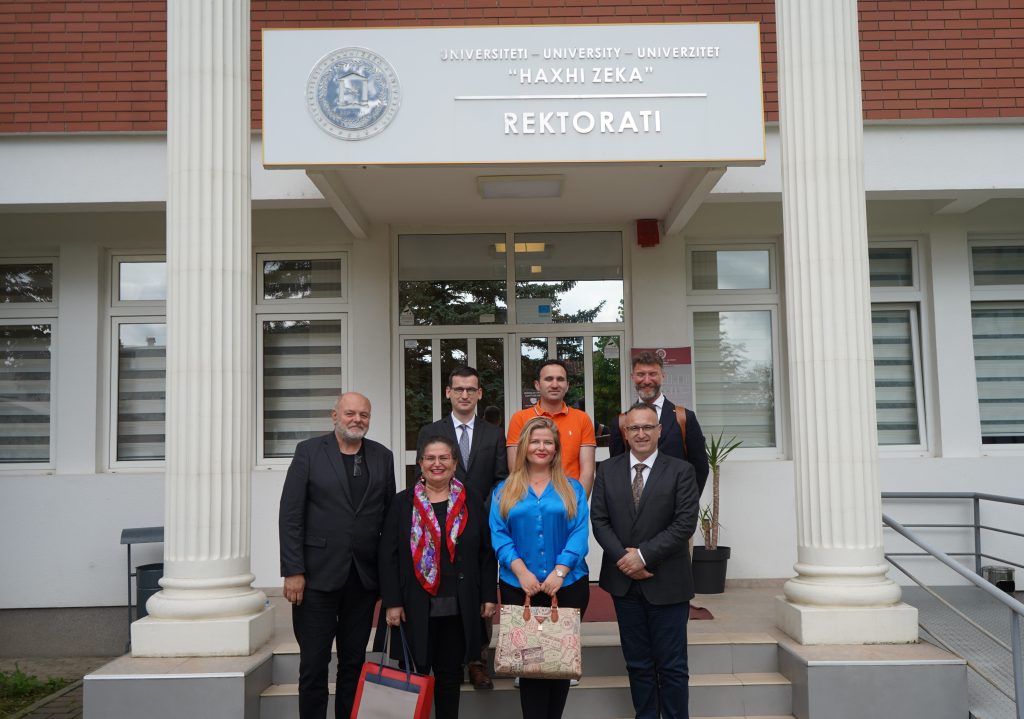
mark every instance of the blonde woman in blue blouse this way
{"type": "Point", "coordinates": [539, 529]}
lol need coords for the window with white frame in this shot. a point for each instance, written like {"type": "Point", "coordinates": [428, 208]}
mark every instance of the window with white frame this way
{"type": "Point", "coordinates": [997, 320]}
{"type": "Point", "coordinates": [302, 338]}
{"type": "Point", "coordinates": [895, 333]}
{"type": "Point", "coordinates": [567, 277]}
{"type": "Point", "coordinates": [138, 331]}
{"type": "Point", "coordinates": [734, 303]}
{"type": "Point", "coordinates": [28, 310]}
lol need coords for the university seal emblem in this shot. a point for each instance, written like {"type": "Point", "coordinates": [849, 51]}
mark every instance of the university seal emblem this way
{"type": "Point", "coordinates": [353, 93]}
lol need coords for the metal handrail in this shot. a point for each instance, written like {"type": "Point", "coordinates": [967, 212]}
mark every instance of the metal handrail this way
{"type": "Point", "coordinates": [976, 499]}
{"type": "Point", "coordinates": [1016, 608]}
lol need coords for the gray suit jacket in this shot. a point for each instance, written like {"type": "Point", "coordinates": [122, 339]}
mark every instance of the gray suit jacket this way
{"type": "Point", "coordinates": [660, 528]}
{"type": "Point", "coordinates": [324, 534]}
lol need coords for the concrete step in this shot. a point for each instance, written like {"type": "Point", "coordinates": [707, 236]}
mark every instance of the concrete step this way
{"type": "Point", "coordinates": [602, 655]}
{"type": "Point", "coordinates": [601, 697]}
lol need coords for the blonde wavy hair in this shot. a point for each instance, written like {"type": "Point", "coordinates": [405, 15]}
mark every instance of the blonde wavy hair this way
{"type": "Point", "coordinates": [518, 481]}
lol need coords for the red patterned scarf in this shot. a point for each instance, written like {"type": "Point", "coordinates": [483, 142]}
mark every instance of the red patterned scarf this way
{"type": "Point", "coordinates": [425, 536]}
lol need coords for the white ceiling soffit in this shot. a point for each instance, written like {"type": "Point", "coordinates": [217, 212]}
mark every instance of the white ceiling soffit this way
{"type": "Point", "coordinates": [449, 195]}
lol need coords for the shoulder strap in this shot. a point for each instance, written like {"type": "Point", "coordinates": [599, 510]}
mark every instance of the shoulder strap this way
{"type": "Point", "coordinates": [681, 419]}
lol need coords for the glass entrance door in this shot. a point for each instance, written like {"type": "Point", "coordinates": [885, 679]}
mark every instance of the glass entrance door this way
{"type": "Point", "coordinates": [426, 363]}
{"type": "Point", "coordinates": [595, 374]}
{"type": "Point", "coordinates": [595, 377]}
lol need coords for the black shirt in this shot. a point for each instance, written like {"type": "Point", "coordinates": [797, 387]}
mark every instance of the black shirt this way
{"type": "Point", "coordinates": [444, 603]}
{"type": "Point", "coordinates": [358, 476]}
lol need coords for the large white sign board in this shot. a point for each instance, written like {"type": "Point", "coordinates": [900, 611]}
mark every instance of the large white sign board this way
{"type": "Point", "coordinates": [497, 95]}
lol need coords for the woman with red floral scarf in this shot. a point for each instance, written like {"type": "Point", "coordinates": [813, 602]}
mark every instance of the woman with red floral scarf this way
{"type": "Point", "coordinates": [437, 572]}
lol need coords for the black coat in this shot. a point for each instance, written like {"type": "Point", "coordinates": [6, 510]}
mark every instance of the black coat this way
{"type": "Point", "coordinates": [323, 533]}
{"type": "Point", "coordinates": [660, 528]}
{"type": "Point", "coordinates": [671, 441]}
{"type": "Point", "coordinates": [474, 561]}
{"type": "Point", "coordinates": [488, 458]}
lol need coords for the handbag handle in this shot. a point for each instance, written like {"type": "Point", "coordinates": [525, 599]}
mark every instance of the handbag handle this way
{"type": "Point", "coordinates": [388, 637]}
{"type": "Point", "coordinates": [554, 608]}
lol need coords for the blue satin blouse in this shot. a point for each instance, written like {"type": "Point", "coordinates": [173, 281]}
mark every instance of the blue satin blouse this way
{"type": "Point", "coordinates": [538, 531]}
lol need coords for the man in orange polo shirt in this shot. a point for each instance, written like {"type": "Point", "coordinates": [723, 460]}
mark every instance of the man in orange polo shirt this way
{"type": "Point", "coordinates": [575, 429]}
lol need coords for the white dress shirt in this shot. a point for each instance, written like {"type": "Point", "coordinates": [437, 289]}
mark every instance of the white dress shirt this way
{"type": "Point", "coordinates": [646, 473]}
{"type": "Point", "coordinates": [469, 429]}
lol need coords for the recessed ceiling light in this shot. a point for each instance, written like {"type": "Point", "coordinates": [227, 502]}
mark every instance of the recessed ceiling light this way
{"type": "Point", "coordinates": [519, 187]}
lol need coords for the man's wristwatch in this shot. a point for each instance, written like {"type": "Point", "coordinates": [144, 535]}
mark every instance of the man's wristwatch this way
{"type": "Point", "coordinates": [560, 574]}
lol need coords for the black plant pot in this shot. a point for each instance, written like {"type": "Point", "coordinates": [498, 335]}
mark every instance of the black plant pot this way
{"type": "Point", "coordinates": [709, 567]}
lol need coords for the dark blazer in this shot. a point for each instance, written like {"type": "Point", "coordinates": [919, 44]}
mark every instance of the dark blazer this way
{"type": "Point", "coordinates": [323, 532]}
{"type": "Point", "coordinates": [488, 460]}
{"type": "Point", "coordinates": [474, 560]}
{"type": "Point", "coordinates": [671, 441]}
{"type": "Point", "coordinates": [660, 528]}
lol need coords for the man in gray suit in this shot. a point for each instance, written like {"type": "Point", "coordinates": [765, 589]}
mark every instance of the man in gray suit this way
{"type": "Point", "coordinates": [644, 510]}
{"type": "Point", "coordinates": [336, 494]}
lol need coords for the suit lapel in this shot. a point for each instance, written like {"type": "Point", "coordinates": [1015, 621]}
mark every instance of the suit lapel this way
{"type": "Point", "coordinates": [478, 437]}
{"type": "Point", "coordinates": [373, 473]}
{"type": "Point", "coordinates": [330, 448]}
{"type": "Point", "coordinates": [668, 413]}
{"type": "Point", "coordinates": [626, 486]}
{"type": "Point", "coordinates": [655, 476]}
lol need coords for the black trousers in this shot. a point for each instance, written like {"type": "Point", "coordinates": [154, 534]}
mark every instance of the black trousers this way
{"type": "Point", "coordinates": [446, 650]}
{"type": "Point", "coordinates": [545, 698]}
{"type": "Point", "coordinates": [347, 614]}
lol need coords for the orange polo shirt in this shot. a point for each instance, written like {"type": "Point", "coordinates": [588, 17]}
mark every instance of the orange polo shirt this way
{"type": "Point", "coordinates": [575, 430]}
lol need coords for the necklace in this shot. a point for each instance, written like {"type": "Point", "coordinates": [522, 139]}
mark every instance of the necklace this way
{"type": "Point", "coordinates": [539, 482]}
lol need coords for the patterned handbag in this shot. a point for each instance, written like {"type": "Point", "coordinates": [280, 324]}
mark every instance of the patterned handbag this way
{"type": "Point", "coordinates": [539, 642]}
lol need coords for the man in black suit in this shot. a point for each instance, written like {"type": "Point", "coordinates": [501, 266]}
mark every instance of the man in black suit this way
{"type": "Point", "coordinates": [482, 464]}
{"type": "Point", "coordinates": [648, 375]}
{"type": "Point", "coordinates": [336, 493]}
{"type": "Point", "coordinates": [644, 510]}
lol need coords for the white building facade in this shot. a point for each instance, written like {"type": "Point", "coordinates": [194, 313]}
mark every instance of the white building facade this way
{"type": "Point", "coordinates": [380, 278]}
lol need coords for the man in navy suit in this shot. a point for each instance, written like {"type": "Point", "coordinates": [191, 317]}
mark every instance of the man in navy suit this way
{"type": "Point", "coordinates": [648, 375]}
{"type": "Point", "coordinates": [336, 493]}
{"type": "Point", "coordinates": [482, 464]}
{"type": "Point", "coordinates": [644, 510]}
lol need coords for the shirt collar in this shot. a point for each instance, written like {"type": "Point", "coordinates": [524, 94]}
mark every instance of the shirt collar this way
{"type": "Point", "coordinates": [540, 412]}
{"type": "Point", "coordinates": [458, 422]}
{"type": "Point", "coordinates": [649, 462]}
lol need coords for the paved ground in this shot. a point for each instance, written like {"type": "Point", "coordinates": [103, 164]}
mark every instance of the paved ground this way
{"type": "Point", "coordinates": [68, 705]}
{"type": "Point", "coordinates": [991, 677]}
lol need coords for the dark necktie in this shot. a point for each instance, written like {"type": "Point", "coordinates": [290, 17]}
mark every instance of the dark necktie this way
{"type": "Point", "coordinates": [638, 483]}
{"type": "Point", "coordinates": [464, 444]}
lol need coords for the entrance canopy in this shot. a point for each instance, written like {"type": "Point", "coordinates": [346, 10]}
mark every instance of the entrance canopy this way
{"type": "Point", "coordinates": [602, 123]}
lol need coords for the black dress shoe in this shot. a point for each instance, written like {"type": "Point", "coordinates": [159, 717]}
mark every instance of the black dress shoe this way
{"type": "Point", "coordinates": [478, 677]}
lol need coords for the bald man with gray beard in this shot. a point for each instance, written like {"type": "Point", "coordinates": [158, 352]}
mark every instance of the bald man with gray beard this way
{"type": "Point", "coordinates": [336, 493]}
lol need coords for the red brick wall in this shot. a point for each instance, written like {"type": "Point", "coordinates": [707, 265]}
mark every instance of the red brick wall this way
{"type": "Point", "coordinates": [78, 66]}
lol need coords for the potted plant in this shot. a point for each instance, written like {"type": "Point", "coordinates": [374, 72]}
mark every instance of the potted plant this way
{"type": "Point", "coordinates": [710, 561]}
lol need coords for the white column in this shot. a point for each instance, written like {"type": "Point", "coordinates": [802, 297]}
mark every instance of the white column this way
{"type": "Point", "coordinates": [841, 594]}
{"type": "Point", "coordinates": [207, 606]}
